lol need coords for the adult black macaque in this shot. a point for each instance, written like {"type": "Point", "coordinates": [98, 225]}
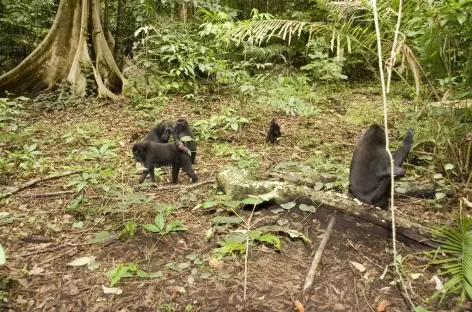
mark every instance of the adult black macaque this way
{"type": "Point", "coordinates": [152, 154]}
{"type": "Point", "coordinates": [182, 129]}
{"type": "Point", "coordinates": [160, 133]}
{"type": "Point", "coordinates": [274, 132]}
{"type": "Point", "coordinates": [369, 174]}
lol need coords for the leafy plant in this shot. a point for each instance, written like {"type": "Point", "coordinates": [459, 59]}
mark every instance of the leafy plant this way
{"type": "Point", "coordinates": [321, 66]}
{"type": "Point", "coordinates": [161, 228]}
{"type": "Point", "coordinates": [208, 128]}
{"type": "Point", "coordinates": [11, 112]}
{"type": "Point", "coordinates": [128, 230]}
{"type": "Point", "coordinates": [104, 151]}
{"type": "Point", "coordinates": [128, 270]}
{"type": "Point", "coordinates": [456, 243]}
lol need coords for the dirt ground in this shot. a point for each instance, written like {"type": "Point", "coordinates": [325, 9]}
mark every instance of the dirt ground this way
{"type": "Point", "coordinates": [40, 239]}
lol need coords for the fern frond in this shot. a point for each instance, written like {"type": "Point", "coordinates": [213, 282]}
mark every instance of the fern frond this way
{"type": "Point", "coordinates": [456, 241]}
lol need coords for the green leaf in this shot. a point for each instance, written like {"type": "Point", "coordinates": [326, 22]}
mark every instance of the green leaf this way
{"type": "Point", "coordinates": [157, 274]}
{"type": "Point", "coordinates": [254, 235]}
{"type": "Point", "coordinates": [118, 273]}
{"type": "Point", "coordinates": [78, 224]}
{"type": "Point", "coordinates": [438, 176]}
{"type": "Point", "coordinates": [152, 228]}
{"type": "Point", "coordinates": [142, 274]}
{"type": "Point", "coordinates": [205, 275]}
{"type": "Point", "coordinates": [103, 149]}
{"type": "Point", "coordinates": [440, 196]}
{"type": "Point", "coordinates": [234, 204]}
{"type": "Point", "coordinates": [101, 236]}
{"type": "Point", "coordinates": [234, 126]}
{"type": "Point", "coordinates": [159, 221]}
{"type": "Point", "coordinates": [209, 204]}
{"type": "Point", "coordinates": [449, 167]}
{"type": "Point", "coordinates": [318, 186]}
{"type": "Point", "coordinates": [304, 207]}
{"type": "Point", "coordinates": [288, 205]}
{"type": "Point", "coordinates": [252, 201]}
{"type": "Point", "coordinates": [177, 225]}
{"type": "Point", "coordinates": [186, 138]}
{"type": "Point", "coordinates": [226, 220]}
{"type": "Point", "coordinates": [282, 222]}
{"type": "Point", "coordinates": [271, 239]}
{"type": "Point", "coordinates": [461, 17]}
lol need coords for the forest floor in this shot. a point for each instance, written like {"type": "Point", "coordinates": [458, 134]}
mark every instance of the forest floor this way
{"type": "Point", "coordinates": [41, 235]}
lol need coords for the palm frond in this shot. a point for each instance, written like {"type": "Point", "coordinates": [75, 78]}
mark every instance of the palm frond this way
{"type": "Point", "coordinates": [457, 243]}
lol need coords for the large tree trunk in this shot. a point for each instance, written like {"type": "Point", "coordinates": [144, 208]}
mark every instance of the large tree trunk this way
{"type": "Point", "coordinates": [64, 54]}
{"type": "Point", "coordinates": [119, 37]}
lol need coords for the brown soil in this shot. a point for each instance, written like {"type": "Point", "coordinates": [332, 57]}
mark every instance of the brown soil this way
{"type": "Point", "coordinates": [36, 277]}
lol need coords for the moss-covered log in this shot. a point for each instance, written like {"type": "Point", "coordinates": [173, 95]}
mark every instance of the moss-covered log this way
{"type": "Point", "coordinates": [238, 185]}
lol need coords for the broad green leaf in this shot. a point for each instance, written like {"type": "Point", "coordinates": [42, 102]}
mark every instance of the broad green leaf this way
{"type": "Point", "coordinates": [282, 222]}
{"type": "Point", "coordinates": [101, 236]}
{"type": "Point", "coordinates": [186, 138]}
{"type": "Point", "coordinates": [118, 273]}
{"type": "Point", "coordinates": [461, 17]}
{"type": "Point", "coordinates": [438, 176]}
{"type": "Point", "coordinates": [288, 205]}
{"type": "Point", "coordinates": [103, 149]}
{"type": "Point", "coordinates": [177, 225]}
{"type": "Point", "coordinates": [271, 239]}
{"type": "Point", "coordinates": [307, 208]}
{"type": "Point", "coordinates": [205, 275]}
{"type": "Point", "coordinates": [449, 167]}
{"type": "Point", "coordinates": [254, 235]}
{"type": "Point", "coordinates": [192, 256]}
{"type": "Point", "coordinates": [159, 221]}
{"type": "Point", "coordinates": [152, 227]}
{"type": "Point", "coordinates": [440, 196]}
{"type": "Point", "coordinates": [209, 204]}
{"type": "Point", "coordinates": [234, 204]}
{"type": "Point", "coordinates": [141, 273]}
{"type": "Point", "coordinates": [235, 237]}
{"type": "Point", "coordinates": [157, 274]}
{"type": "Point", "coordinates": [252, 201]}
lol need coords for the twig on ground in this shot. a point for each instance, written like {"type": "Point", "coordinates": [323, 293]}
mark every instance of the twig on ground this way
{"type": "Point", "coordinates": [179, 187]}
{"type": "Point", "coordinates": [318, 254]}
{"type": "Point", "coordinates": [51, 194]}
{"type": "Point", "coordinates": [248, 226]}
{"type": "Point", "coordinates": [33, 182]}
{"type": "Point", "coordinates": [58, 256]}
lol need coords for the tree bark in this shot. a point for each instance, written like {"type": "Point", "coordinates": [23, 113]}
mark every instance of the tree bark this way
{"type": "Point", "coordinates": [105, 21]}
{"type": "Point", "coordinates": [64, 54]}
{"type": "Point", "coordinates": [119, 36]}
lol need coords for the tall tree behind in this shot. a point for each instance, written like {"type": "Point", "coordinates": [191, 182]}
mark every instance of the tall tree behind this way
{"type": "Point", "coordinates": [119, 36]}
{"type": "Point", "coordinates": [64, 54]}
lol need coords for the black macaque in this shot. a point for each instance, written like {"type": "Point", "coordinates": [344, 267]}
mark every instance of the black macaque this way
{"type": "Point", "coordinates": [152, 154]}
{"type": "Point", "coordinates": [369, 174]}
{"type": "Point", "coordinates": [274, 133]}
{"type": "Point", "coordinates": [160, 133]}
{"type": "Point", "coordinates": [182, 129]}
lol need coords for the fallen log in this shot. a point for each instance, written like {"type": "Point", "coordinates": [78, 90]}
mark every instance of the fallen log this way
{"type": "Point", "coordinates": [238, 185]}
